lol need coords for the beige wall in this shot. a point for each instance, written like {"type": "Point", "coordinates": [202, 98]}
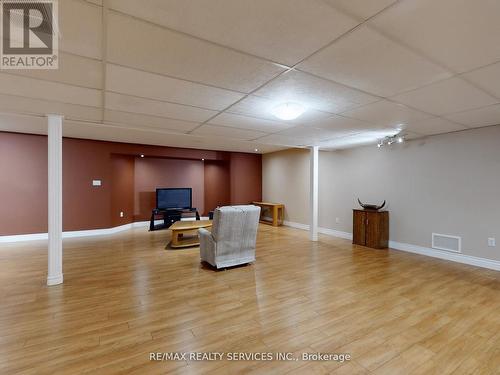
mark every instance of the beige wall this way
{"type": "Point", "coordinates": [447, 184]}
{"type": "Point", "coordinates": [285, 179]}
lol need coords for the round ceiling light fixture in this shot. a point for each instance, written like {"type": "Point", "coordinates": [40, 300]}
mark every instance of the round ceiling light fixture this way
{"type": "Point", "coordinates": [288, 111]}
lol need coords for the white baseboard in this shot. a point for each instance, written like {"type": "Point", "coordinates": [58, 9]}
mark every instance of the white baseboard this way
{"type": "Point", "coordinates": [445, 255]}
{"type": "Point", "coordinates": [327, 231]}
{"type": "Point", "coordinates": [74, 234]}
{"type": "Point", "coordinates": [296, 225]}
{"type": "Point", "coordinates": [335, 233]}
{"type": "Point", "coordinates": [24, 237]}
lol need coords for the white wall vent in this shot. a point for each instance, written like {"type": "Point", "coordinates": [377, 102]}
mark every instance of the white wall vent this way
{"type": "Point", "coordinates": [446, 242]}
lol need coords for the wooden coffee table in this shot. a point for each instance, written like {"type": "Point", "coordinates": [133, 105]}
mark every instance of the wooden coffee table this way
{"type": "Point", "coordinates": [185, 233]}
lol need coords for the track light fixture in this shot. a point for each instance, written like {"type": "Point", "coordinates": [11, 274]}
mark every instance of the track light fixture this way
{"type": "Point", "coordinates": [389, 140]}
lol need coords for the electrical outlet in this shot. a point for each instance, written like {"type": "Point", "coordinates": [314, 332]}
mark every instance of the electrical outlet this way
{"type": "Point", "coordinates": [122, 214]}
{"type": "Point", "coordinates": [492, 242]}
{"type": "Point", "coordinates": [337, 220]}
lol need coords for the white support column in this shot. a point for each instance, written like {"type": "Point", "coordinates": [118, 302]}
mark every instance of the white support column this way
{"type": "Point", "coordinates": [55, 274]}
{"type": "Point", "coordinates": [314, 192]}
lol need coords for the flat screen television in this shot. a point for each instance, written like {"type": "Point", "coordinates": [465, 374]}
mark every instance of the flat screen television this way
{"type": "Point", "coordinates": [173, 198]}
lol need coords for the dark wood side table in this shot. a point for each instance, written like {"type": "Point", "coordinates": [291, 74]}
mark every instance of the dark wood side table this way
{"type": "Point", "coordinates": [371, 228]}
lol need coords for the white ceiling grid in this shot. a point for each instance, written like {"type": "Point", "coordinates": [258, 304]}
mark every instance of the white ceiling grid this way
{"type": "Point", "coordinates": [207, 74]}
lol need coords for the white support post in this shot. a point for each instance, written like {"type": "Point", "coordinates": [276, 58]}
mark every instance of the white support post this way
{"type": "Point", "coordinates": [314, 191]}
{"type": "Point", "coordinates": [55, 274]}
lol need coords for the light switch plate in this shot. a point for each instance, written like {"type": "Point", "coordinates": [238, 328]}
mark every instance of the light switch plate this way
{"type": "Point", "coordinates": [96, 182]}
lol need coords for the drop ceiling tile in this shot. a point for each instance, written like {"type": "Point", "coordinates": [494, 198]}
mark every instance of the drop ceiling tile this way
{"type": "Point", "coordinates": [148, 47]}
{"type": "Point", "coordinates": [134, 82]}
{"type": "Point", "coordinates": [228, 132]}
{"type": "Point", "coordinates": [282, 31]}
{"type": "Point", "coordinates": [81, 28]}
{"type": "Point", "coordinates": [129, 134]}
{"type": "Point", "coordinates": [22, 124]}
{"type": "Point", "coordinates": [52, 91]}
{"type": "Point", "coordinates": [141, 121]}
{"type": "Point", "coordinates": [256, 106]}
{"type": "Point", "coordinates": [266, 148]}
{"type": "Point", "coordinates": [343, 124]}
{"type": "Point", "coordinates": [9, 103]}
{"type": "Point", "coordinates": [160, 137]}
{"type": "Point", "coordinates": [356, 140]}
{"type": "Point", "coordinates": [479, 117]}
{"type": "Point", "coordinates": [368, 61]}
{"type": "Point", "coordinates": [444, 97]}
{"type": "Point", "coordinates": [73, 70]}
{"type": "Point", "coordinates": [314, 92]}
{"type": "Point", "coordinates": [487, 78]}
{"type": "Point", "coordinates": [218, 143]}
{"type": "Point", "coordinates": [386, 113]}
{"type": "Point", "coordinates": [410, 135]}
{"type": "Point", "coordinates": [435, 125]}
{"type": "Point", "coordinates": [276, 139]}
{"type": "Point", "coordinates": [348, 142]}
{"type": "Point", "coordinates": [250, 123]}
{"type": "Point", "coordinates": [308, 134]}
{"type": "Point", "coordinates": [361, 8]}
{"type": "Point", "coordinates": [125, 103]}
{"type": "Point", "coordinates": [459, 34]}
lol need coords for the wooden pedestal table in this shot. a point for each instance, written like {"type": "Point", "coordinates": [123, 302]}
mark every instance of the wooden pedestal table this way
{"type": "Point", "coordinates": [185, 233]}
{"type": "Point", "coordinates": [277, 211]}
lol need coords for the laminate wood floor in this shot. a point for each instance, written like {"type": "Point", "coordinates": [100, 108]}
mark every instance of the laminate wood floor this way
{"type": "Point", "coordinates": [125, 296]}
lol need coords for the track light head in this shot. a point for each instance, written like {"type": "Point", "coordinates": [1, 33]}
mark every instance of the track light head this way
{"type": "Point", "coordinates": [389, 140]}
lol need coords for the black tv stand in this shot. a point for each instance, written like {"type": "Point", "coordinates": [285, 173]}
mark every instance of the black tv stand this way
{"type": "Point", "coordinates": [169, 216]}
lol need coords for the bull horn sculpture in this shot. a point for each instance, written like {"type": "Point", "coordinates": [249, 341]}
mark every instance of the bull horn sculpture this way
{"type": "Point", "coordinates": [371, 206]}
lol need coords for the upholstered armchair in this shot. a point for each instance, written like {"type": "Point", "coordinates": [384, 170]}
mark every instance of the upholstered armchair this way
{"type": "Point", "coordinates": [233, 236]}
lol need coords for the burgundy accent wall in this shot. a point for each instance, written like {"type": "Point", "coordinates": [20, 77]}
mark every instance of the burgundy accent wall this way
{"type": "Point", "coordinates": [23, 184]}
{"type": "Point", "coordinates": [86, 206]}
{"type": "Point", "coordinates": [151, 173]}
{"type": "Point", "coordinates": [246, 177]}
{"type": "Point", "coordinates": [122, 189]}
{"type": "Point", "coordinates": [225, 178]}
{"type": "Point", "coordinates": [217, 185]}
